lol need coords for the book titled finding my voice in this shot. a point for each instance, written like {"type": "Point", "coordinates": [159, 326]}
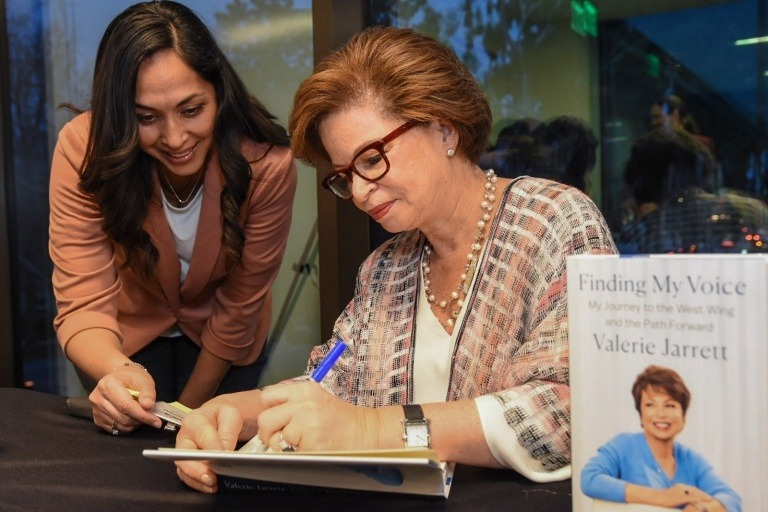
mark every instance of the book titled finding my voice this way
{"type": "Point", "coordinates": [703, 316]}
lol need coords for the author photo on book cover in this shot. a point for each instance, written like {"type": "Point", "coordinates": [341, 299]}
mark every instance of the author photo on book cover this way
{"type": "Point", "coordinates": [650, 467]}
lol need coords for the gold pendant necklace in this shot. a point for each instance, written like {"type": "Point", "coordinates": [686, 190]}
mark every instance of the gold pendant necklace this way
{"type": "Point", "coordinates": [191, 192]}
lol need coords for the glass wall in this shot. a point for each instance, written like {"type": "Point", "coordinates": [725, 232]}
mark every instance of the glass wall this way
{"type": "Point", "coordinates": [32, 300]}
{"type": "Point", "coordinates": [693, 57]}
{"type": "Point", "coordinates": [605, 63]}
{"type": "Point", "coordinates": [52, 47]}
{"type": "Point", "coordinates": [532, 64]}
{"type": "Point", "coordinates": [696, 180]}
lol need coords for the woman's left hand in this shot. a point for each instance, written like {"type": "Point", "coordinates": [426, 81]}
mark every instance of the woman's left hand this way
{"type": "Point", "coordinates": [310, 418]}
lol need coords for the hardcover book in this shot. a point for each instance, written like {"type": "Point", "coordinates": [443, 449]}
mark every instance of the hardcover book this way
{"type": "Point", "coordinates": [669, 351]}
{"type": "Point", "coordinates": [404, 471]}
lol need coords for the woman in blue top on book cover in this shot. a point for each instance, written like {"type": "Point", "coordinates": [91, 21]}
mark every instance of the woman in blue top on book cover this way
{"type": "Point", "coordinates": [650, 467]}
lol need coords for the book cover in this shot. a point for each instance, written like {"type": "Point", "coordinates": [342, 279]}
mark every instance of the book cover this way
{"type": "Point", "coordinates": [695, 320]}
{"type": "Point", "coordinates": [404, 471]}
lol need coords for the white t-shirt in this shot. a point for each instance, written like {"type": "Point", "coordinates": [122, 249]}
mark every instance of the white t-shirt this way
{"type": "Point", "coordinates": [183, 222]}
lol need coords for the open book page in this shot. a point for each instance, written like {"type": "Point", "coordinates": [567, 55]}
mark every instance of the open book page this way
{"type": "Point", "coordinates": [406, 470]}
{"type": "Point", "coordinates": [256, 446]}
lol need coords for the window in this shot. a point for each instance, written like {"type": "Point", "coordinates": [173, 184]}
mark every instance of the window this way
{"type": "Point", "coordinates": [606, 64]}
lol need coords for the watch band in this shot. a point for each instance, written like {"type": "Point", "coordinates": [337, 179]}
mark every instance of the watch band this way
{"type": "Point", "coordinates": [413, 412]}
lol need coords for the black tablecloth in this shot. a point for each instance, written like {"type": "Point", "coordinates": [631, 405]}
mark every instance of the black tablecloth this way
{"type": "Point", "coordinates": [52, 461]}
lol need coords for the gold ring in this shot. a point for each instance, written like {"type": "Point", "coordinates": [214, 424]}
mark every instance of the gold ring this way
{"type": "Point", "coordinates": [115, 432]}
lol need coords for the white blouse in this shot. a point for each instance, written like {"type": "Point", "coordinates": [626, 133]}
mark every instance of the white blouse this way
{"type": "Point", "coordinates": [433, 352]}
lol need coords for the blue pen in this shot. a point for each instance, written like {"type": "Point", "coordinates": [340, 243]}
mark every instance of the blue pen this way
{"type": "Point", "coordinates": [326, 364]}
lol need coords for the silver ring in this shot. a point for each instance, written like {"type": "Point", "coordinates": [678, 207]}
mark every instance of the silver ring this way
{"type": "Point", "coordinates": [115, 432]}
{"type": "Point", "coordinates": [285, 445]}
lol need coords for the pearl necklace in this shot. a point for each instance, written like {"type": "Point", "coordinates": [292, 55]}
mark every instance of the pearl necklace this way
{"type": "Point", "coordinates": [458, 295]}
{"type": "Point", "coordinates": [191, 193]}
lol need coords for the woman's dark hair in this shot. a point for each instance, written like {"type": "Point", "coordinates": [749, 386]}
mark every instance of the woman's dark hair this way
{"type": "Point", "coordinates": [115, 170]}
{"type": "Point", "coordinates": [665, 379]}
{"type": "Point", "coordinates": [517, 152]}
{"type": "Point", "coordinates": [663, 165]}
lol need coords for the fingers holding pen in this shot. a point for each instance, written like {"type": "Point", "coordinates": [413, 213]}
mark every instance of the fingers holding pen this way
{"type": "Point", "coordinates": [291, 413]}
{"type": "Point", "coordinates": [114, 405]}
{"type": "Point", "coordinates": [280, 427]}
{"type": "Point", "coordinates": [308, 417]}
{"type": "Point", "coordinates": [117, 410]}
{"type": "Point", "coordinates": [272, 422]}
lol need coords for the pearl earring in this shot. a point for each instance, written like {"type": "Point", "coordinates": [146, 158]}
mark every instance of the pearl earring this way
{"type": "Point", "coordinates": [449, 152]}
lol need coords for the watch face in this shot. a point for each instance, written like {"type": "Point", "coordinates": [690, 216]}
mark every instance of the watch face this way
{"type": "Point", "coordinates": [418, 435]}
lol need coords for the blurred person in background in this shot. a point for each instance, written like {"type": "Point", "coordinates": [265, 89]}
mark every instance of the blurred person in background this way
{"type": "Point", "coordinates": [669, 177]}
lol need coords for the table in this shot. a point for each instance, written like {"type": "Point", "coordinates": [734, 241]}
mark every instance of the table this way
{"type": "Point", "coordinates": [52, 461]}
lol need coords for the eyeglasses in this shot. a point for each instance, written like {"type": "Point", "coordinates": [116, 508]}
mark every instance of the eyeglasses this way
{"type": "Point", "coordinates": [370, 163]}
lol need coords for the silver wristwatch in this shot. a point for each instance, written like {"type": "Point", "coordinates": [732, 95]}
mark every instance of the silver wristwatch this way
{"type": "Point", "coordinates": [415, 427]}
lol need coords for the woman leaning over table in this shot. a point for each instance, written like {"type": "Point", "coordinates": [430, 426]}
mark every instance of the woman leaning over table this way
{"type": "Point", "coordinates": [463, 312]}
{"type": "Point", "coordinates": [170, 208]}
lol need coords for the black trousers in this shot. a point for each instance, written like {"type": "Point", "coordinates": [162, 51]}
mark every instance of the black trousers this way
{"type": "Point", "coordinates": [170, 362]}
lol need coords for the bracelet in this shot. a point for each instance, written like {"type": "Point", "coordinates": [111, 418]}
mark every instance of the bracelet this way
{"type": "Point", "coordinates": [134, 363]}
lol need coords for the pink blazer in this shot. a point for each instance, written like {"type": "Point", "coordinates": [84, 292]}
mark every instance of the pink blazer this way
{"type": "Point", "coordinates": [229, 313]}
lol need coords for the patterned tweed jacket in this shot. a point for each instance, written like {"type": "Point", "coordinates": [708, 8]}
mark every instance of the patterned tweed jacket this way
{"type": "Point", "coordinates": [513, 343]}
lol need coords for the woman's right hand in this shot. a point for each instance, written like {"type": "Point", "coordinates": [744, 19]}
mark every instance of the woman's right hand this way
{"type": "Point", "coordinates": [114, 408]}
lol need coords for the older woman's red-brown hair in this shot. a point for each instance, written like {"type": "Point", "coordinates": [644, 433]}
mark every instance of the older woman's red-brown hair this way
{"type": "Point", "coordinates": [664, 379]}
{"type": "Point", "coordinates": [404, 74]}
